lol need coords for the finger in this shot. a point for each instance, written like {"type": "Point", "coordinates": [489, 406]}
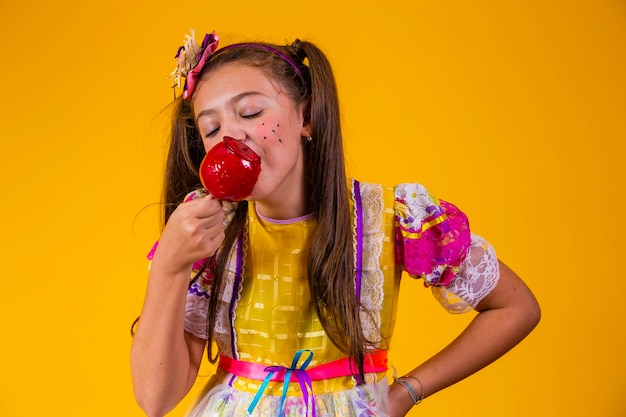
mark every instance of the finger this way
{"type": "Point", "coordinates": [207, 207]}
{"type": "Point", "coordinates": [201, 209]}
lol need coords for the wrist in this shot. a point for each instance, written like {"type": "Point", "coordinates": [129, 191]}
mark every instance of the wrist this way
{"type": "Point", "coordinates": [170, 263]}
{"type": "Point", "coordinates": [413, 386]}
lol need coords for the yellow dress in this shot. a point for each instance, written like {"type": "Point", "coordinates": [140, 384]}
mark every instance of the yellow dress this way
{"type": "Point", "coordinates": [265, 314]}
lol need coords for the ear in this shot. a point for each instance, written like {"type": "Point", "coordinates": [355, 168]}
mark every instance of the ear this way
{"type": "Point", "coordinates": [306, 123]}
{"type": "Point", "coordinates": [306, 130]}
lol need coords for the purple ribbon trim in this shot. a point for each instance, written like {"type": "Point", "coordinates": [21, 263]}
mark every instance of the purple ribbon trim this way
{"type": "Point", "coordinates": [233, 300]}
{"type": "Point", "coordinates": [359, 241]}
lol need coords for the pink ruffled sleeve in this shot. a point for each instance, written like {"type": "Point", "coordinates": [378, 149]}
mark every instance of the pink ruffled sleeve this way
{"type": "Point", "coordinates": [432, 236]}
{"type": "Point", "coordinates": [433, 242]}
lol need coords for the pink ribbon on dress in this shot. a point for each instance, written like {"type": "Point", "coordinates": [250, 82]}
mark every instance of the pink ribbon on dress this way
{"type": "Point", "coordinates": [374, 362]}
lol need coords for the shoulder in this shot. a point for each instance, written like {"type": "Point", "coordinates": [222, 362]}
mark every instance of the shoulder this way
{"type": "Point", "coordinates": [414, 204]}
{"type": "Point", "coordinates": [366, 189]}
{"type": "Point", "coordinates": [409, 202]}
{"type": "Point", "coordinates": [404, 198]}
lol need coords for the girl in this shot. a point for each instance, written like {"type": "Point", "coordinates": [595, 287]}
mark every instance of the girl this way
{"type": "Point", "coordinates": [294, 289]}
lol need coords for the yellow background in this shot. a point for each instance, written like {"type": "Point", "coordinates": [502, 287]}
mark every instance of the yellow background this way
{"type": "Point", "coordinates": [513, 110]}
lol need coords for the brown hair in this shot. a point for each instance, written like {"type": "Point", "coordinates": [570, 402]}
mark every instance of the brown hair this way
{"type": "Point", "coordinates": [331, 260]}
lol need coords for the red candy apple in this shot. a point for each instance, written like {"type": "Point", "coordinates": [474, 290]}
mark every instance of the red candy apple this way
{"type": "Point", "coordinates": [230, 170]}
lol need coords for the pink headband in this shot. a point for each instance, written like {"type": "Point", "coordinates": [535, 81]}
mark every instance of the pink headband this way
{"type": "Point", "coordinates": [191, 71]}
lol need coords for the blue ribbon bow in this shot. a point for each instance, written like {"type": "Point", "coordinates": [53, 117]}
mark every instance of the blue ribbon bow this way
{"type": "Point", "coordinates": [302, 377]}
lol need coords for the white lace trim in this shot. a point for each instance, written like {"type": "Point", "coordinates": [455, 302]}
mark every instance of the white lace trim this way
{"type": "Point", "coordinates": [223, 324]}
{"type": "Point", "coordinates": [197, 305]}
{"type": "Point", "coordinates": [372, 277]}
{"type": "Point", "coordinates": [196, 308]}
{"type": "Point", "coordinates": [479, 275]}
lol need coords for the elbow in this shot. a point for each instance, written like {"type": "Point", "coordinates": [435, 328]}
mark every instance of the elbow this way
{"type": "Point", "coordinates": [150, 405]}
{"type": "Point", "coordinates": [153, 400]}
{"type": "Point", "coordinates": [534, 313]}
{"type": "Point", "coordinates": [529, 314]}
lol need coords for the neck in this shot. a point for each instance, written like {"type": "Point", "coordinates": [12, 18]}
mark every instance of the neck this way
{"type": "Point", "coordinates": [289, 201]}
{"type": "Point", "coordinates": [285, 209]}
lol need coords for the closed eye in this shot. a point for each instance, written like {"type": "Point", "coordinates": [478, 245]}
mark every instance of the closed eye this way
{"type": "Point", "coordinates": [252, 116]}
{"type": "Point", "coordinates": [212, 133]}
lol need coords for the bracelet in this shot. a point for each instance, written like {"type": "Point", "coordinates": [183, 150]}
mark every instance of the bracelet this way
{"type": "Point", "coordinates": [421, 387]}
{"type": "Point", "coordinates": [414, 397]}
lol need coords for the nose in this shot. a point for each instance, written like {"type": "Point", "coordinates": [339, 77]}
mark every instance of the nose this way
{"type": "Point", "coordinates": [234, 130]}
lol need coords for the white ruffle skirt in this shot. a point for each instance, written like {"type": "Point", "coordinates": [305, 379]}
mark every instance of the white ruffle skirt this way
{"type": "Point", "coordinates": [222, 400]}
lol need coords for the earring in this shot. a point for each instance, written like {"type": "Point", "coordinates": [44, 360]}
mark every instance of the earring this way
{"type": "Point", "coordinates": [309, 138]}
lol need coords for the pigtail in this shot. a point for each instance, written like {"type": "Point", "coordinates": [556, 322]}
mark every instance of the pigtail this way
{"type": "Point", "coordinates": [331, 262]}
{"type": "Point", "coordinates": [183, 159]}
{"type": "Point", "coordinates": [232, 232]}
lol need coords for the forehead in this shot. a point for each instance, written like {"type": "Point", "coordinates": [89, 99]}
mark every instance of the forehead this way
{"type": "Point", "coordinates": [235, 78]}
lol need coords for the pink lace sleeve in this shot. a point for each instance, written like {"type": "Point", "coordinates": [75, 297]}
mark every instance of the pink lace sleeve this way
{"type": "Point", "coordinates": [479, 274]}
{"type": "Point", "coordinates": [432, 236]}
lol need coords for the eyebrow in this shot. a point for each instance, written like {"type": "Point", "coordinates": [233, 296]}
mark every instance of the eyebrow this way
{"type": "Point", "coordinates": [234, 99]}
